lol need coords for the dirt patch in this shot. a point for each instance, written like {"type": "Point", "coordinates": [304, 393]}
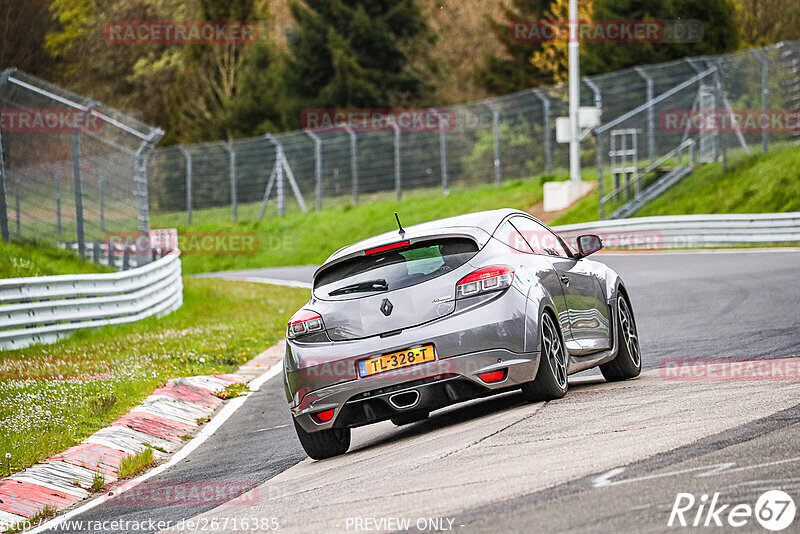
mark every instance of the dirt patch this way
{"type": "Point", "coordinates": [537, 210]}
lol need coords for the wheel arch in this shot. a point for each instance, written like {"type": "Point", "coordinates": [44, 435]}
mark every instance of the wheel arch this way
{"type": "Point", "coordinates": [541, 301]}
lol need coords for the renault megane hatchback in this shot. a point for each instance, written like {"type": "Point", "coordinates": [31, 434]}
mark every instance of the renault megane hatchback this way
{"type": "Point", "coordinates": [416, 319]}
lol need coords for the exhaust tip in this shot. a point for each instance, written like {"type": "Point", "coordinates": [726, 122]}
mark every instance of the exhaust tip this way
{"type": "Point", "coordinates": [404, 400]}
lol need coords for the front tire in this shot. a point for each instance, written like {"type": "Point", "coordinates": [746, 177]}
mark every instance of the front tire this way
{"type": "Point", "coordinates": [551, 377]}
{"type": "Point", "coordinates": [324, 443]}
{"type": "Point", "coordinates": [628, 362]}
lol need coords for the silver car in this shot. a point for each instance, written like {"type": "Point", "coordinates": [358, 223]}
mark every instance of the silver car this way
{"type": "Point", "coordinates": [416, 319]}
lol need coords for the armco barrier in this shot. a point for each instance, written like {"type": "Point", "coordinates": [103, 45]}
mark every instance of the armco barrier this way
{"type": "Point", "coordinates": [43, 309]}
{"type": "Point", "coordinates": [692, 231]}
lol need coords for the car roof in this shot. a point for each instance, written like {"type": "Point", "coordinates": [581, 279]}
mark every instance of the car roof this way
{"type": "Point", "coordinates": [480, 225]}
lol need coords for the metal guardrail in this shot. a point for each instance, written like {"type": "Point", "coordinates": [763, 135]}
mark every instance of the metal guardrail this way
{"type": "Point", "coordinates": [116, 255]}
{"type": "Point", "coordinates": [691, 231]}
{"type": "Point", "coordinates": [44, 309]}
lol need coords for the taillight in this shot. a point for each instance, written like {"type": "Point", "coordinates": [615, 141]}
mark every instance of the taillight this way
{"type": "Point", "coordinates": [493, 376]}
{"type": "Point", "coordinates": [325, 416]}
{"type": "Point", "coordinates": [304, 322]}
{"type": "Point", "coordinates": [493, 278]}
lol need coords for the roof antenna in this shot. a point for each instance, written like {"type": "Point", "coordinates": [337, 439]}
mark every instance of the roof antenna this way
{"type": "Point", "coordinates": [402, 232]}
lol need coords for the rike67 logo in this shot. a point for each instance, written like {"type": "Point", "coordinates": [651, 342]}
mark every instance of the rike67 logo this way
{"type": "Point", "coordinates": [774, 510]}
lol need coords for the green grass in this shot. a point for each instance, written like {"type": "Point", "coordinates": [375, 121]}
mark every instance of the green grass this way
{"type": "Point", "coordinates": [309, 238]}
{"type": "Point", "coordinates": [133, 465]}
{"type": "Point", "coordinates": [33, 258]}
{"type": "Point", "coordinates": [99, 480]}
{"type": "Point", "coordinates": [53, 396]}
{"type": "Point", "coordinates": [763, 183]}
{"type": "Point", "coordinates": [756, 183]}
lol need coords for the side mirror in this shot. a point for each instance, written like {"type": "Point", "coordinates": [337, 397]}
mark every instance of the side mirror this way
{"type": "Point", "coordinates": [588, 244]}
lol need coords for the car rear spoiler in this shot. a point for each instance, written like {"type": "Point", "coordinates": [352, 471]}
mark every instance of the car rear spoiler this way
{"type": "Point", "coordinates": [479, 235]}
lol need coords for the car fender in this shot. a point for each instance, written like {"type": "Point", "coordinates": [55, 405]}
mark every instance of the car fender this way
{"type": "Point", "coordinates": [538, 299]}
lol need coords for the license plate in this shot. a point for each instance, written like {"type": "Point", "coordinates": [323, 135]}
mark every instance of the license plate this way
{"type": "Point", "coordinates": [396, 360]}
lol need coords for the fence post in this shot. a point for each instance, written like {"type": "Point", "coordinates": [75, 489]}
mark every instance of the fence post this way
{"type": "Point", "coordinates": [498, 177]}
{"type": "Point", "coordinates": [353, 161]}
{"type": "Point", "coordinates": [718, 104]}
{"type": "Point", "coordinates": [3, 205]}
{"type": "Point", "coordinates": [764, 94]}
{"type": "Point", "coordinates": [442, 150]}
{"type": "Point", "coordinates": [76, 172]}
{"type": "Point", "coordinates": [17, 210]}
{"type": "Point", "coordinates": [548, 147]}
{"type": "Point", "coordinates": [279, 169]}
{"type": "Point", "coordinates": [691, 63]}
{"type": "Point", "coordinates": [101, 189]}
{"type": "Point", "coordinates": [189, 171]}
{"type": "Point", "coordinates": [140, 178]}
{"type": "Point", "coordinates": [651, 134]}
{"type": "Point", "coordinates": [598, 96]}
{"type": "Point", "coordinates": [598, 144]}
{"type": "Point", "coordinates": [277, 173]}
{"type": "Point", "coordinates": [317, 166]}
{"type": "Point", "coordinates": [398, 185]}
{"type": "Point", "coordinates": [57, 181]}
{"type": "Point", "coordinates": [232, 173]}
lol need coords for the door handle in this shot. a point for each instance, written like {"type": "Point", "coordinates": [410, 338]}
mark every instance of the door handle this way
{"type": "Point", "coordinates": [565, 279]}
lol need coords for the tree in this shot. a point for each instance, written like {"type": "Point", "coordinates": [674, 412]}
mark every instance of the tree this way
{"type": "Point", "coordinates": [23, 25]}
{"type": "Point", "coordinates": [768, 21]}
{"type": "Point", "coordinates": [214, 77]}
{"type": "Point", "coordinates": [719, 27]}
{"type": "Point", "coordinates": [131, 77]}
{"type": "Point", "coordinates": [553, 58]}
{"type": "Point", "coordinates": [195, 92]}
{"type": "Point", "coordinates": [354, 54]}
{"type": "Point", "coordinates": [514, 71]}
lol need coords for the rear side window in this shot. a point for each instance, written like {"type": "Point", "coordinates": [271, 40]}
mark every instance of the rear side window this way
{"type": "Point", "coordinates": [393, 269]}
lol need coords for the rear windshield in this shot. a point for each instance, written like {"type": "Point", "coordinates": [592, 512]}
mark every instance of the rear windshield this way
{"type": "Point", "coordinates": [393, 269]}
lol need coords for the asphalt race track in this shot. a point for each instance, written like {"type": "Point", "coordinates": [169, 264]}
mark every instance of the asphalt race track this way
{"type": "Point", "coordinates": [606, 458]}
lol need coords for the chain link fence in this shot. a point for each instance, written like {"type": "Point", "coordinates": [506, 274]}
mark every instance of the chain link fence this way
{"type": "Point", "coordinates": [71, 170]}
{"type": "Point", "coordinates": [506, 138]}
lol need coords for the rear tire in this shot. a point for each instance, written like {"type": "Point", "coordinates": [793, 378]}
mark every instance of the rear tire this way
{"type": "Point", "coordinates": [551, 378]}
{"type": "Point", "coordinates": [410, 417]}
{"type": "Point", "coordinates": [628, 362]}
{"type": "Point", "coordinates": [324, 443]}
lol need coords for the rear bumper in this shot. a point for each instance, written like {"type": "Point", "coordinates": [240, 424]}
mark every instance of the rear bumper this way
{"type": "Point", "coordinates": [435, 385]}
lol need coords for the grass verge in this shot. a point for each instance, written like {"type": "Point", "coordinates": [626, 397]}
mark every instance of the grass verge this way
{"type": "Point", "coordinates": [133, 465]}
{"type": "Point", "coordinates": [53, 396]}
{"type": "Point", "coordinates": [756, 183]}
{"type": "Point", "coordinates": [762, 183]}
{"type": "Point", "coordinates": [33, 258]}
{"type": "Point", "coordinates": [309, 238]}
